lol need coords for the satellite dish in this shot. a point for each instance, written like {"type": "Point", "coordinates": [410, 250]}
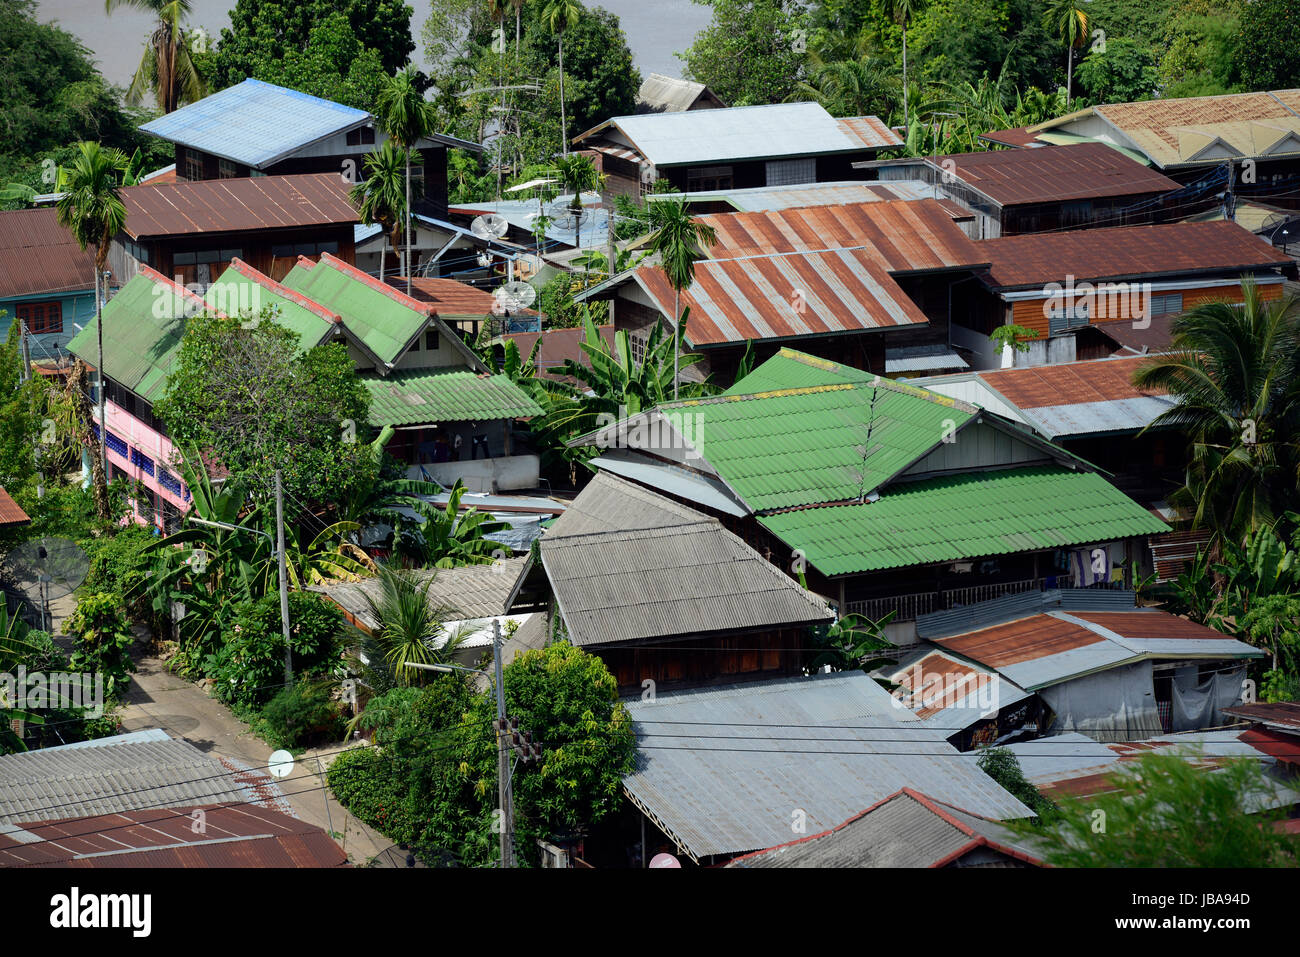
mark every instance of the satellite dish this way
{"type": "Point", "coordinates": [489, 226]}
{"type": "Point", "coordinates": [514, 295]}
{"type": "Point", "coordinates": [567, 215]}
{"type": "Point", "coordinates": [280, 764]}
{"type": "Point", "coordinates": [46, 569]}
{"type": "Point", "coordinates": [665, 860]}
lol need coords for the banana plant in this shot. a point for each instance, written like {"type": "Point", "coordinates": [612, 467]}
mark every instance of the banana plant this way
{"type": "Point", "coordinates": [442, 537]}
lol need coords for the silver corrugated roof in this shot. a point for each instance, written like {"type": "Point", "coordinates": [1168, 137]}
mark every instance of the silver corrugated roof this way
{"type": "Point", "coordinates": [626, 564]}
{"type": "Point", "coordinates": [1092, 418]}
{"type": "Point", "coordinates": [768, 754]}
{"type": "Point", "coordinates": [770, 131]}
{"type": "Point", "coordinates": [956, 621]}
{"type": "Point", "coordinates": [921, 358]}
{"type": "Point", "coordinates": [109, 778]}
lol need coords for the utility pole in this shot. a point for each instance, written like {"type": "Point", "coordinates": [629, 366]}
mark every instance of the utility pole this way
{"type": "Point", "coordinates": [25, 370]}
{"type": "Point", "coordinates": [503, 756]}
{"type": "Point", "coordinates": [1229, 200]}
{"type": "Point", "coordinates": [284, 577]}
{"type": "Point", "coordinates": [102, 388]}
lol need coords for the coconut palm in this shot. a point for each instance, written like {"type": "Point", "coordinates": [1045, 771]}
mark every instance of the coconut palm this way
{"type": "Point", "coordinates": [1235, 372]}
{"type": "Point", "coordinates": [679, 240]}
{"type": "Point", "coordinates": [166, 68]}
{"type": "Point", "coordinates": [849, 87]}
{"type": "Point", "coordinates": [1070, 20]}
{"type": "Point", "coordinates": [407, 117]}
{"type": "Point", "coordinates": [379, 198]}
{"type": "Point", "coordinates": [92, 210]}
{"type": "Point", "coordinates": [412, 629]}
{"type": "Point", "coordinates": [577, 174]}
{"type": "Point", "coordinates": [903, 11]}
{"type": "Point", "coordinates": [560, 15]}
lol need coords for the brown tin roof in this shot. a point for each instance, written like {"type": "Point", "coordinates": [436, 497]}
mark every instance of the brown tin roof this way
{"type": "Point", "coordinates": [10, 512]}
{"type": "Point", "coordinates": [1101, 380]}
{"type": "Point", "coordinates": [38, 256]}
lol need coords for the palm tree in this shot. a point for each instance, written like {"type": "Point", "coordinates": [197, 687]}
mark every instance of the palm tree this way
{"type": "Point", "coordinates": [93, 211]}
{"type": "Point", "coordinates": [406, 116]}
{"type": "Point", "coordinates": [379, 197]}
{"type": "Point", "coordinates": [1235, 371]}
{"type": "Point", "coordinates": [848, 87]}
{"type": "Point", "coordinates": [166, 67]}
{"type": "Point", "coordinates": [412, 629]}
{"type": "Point", "coordinates": [560, 15]}
{"type": "Point", "coordinates": [577, 174]}
{"type": "Point", "coordinates": [903, 11]}
{"type": "Point", "coordinates": [1071, 21]}
{"type": "Point", "coordinates": [678, 239]}
{"type": "Point", "coordinates": [518, 6]}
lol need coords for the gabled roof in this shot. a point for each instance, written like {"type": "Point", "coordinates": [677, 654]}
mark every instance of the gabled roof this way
{"type": "Point", "coordinates": [1183, 131]}
{"type": "Point", "coordinates": [773, 131]}
{"type": "Point", "coordinates": [135, 772]}
{"type": "Point", "coordinates": [828, 745]}
{"type": "Point", "coordinates": [627, 564]}
{"type": "Point", "coordinates": [1119, 253]}
{"type": "Point", "coordinates": [38, 256]}
{"type": "Point", "coordinates": [143, 325]}
{"type": "Point", "coordinates": [906, 829]}
{"type": "Point", "coordinates": [669, 94]}
{"type": "Point", "coordinates": [233, 836]}
{"type": "Point", "coordinates": [1052, 174]}
{"type": "Point", "coordinates": [11, 512]}
{"type": "Point", "coordinates": [946, 691]}
{"type": "Point", "coordinates": [258, 123]}
{"type": "Point", "coordinates": [241, 288]}
{"type": "Point", "coordinates": [237, 205]}
{"type": "Point", "coordinates": [453, 299]}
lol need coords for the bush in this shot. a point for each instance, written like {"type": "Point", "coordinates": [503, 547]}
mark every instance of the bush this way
{"type": "Point", "coordinates": [115, 562]}
{"type": "Point", "coordinates": [366, 783]}
{"type": "Point", "coordinates": [302, 714]}
{"type": "Point", "coordinates": [102, 641]}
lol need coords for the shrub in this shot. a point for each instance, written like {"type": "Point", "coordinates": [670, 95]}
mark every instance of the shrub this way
{"type": "Point", "coordinates": [102, 641]}
{"type": "Point", "coordinates": [301, 714]}
{"type": "Point", "coordinates": [367, 784]}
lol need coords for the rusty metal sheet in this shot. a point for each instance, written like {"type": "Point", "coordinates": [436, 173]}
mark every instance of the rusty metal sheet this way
{"type": "Point", "coordinates": [38, 256]}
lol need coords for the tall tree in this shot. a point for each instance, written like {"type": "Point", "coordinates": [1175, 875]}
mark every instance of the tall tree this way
{"type": "Point", "coordinates": [406, 116]}
{"type": "Point", "coordinates": [166, 68]}
{"type": "Point", "coordinates": [1070, 21]}
{"type": "Point", "coordinates": [752, 52]}
{"type": "Point", "coordinates": [1235, 372]}
{"type": "Point", "coordinates": [92, 210]}
{"type": "Point", "coordinates": [560, 15]}
{"type": "Point", "coordinates": [379, 197]}
{"type": "Point", "coordinates": [903, 11]}
{"type": "Point", "coordinates": [679, 240]}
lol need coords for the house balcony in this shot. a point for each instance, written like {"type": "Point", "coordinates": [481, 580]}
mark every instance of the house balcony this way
{"type": "Point", "coordinates": [909, 607]}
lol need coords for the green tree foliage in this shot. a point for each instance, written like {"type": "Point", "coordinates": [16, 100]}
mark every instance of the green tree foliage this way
{"type": "Point", "coordinates": [751, 52]}
{"type": "Point", "coordinates": [412, 628]}
{"type": "Point", "coordinates": [1003, 767]}
{"type": "Point", "coordinates": [1200, 57]}
{"type": "Point", "coordinates": [262, 33]}
{"type": "Point", "coordinates": [333, 64]}
{"type": "Point", "coordinates": [430, 781]}
{"type": "Point", "coordinates": [959, 41]}
{"type": "Point", "coordinates": [166, 70]}
{"type": "Point", "coordinates": [1267, 56]}
{"type": "Point", "coordinates": [600, 78]}
{"type": "Point", "coordinates": [246, 394]}
{"type": "Point", "coordinates": [101, 641]}
{"type": "Point", "coordinates": [1126, 71]}
{"type": "Point", "coordinates": [1167, 811]}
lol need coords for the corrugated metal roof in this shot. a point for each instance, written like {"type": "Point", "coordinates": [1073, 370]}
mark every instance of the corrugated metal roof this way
{"type": "Point", "coordinates": [667, 94]}
{"type": "Point", "coordinates": [676, 481]}
{"type": "Point", "coordinates": [1159, 634]}
{"type": "Point", "coordinates": [921, 358]}
{"type": "Point", "coordinates": [242, 289]}
{"type": "Point", "coordinates": [996, 611]}
{"type": "Point", "coordinates": [453, 299]}
{"type": "Point", "coordinates": [626, 564]}
{"type": "Point", "coordinates": [961, 517]}
{"type": "Point", "coordinates": [1119, 253]}
{"type": "Point", "coordinates": [413, 396]}
{"type": "Point", "coordinates": [1200, 129]}
{"type": "Point", "coordinates": [907, 829]}
{"type": "Point", "coordinates": [10, 512]}
{"type": "Point", "coordinates": [231, 836]}
{"type": "Point", "coordinates": [558, 345]}
{"type": "Point", "coordinates": [764, 198]}
{"type": "Point", "coordinates": [1281, 714]}
{"type": "Point", "coordinates": [53, 783]}
{"type": "Point", "coordinates": [1052, 174]}
{"type": "Point", "coordinates": [826, 745]}
{"type": "Point", "coordinates": [472, 591]}
{"type": "Point", "coordinates": [237, 205]}
{"type": "Point", "coordinates": [255, 123]}
{"type": "Point", "coordinates": [791, 369]}
{"type": "Point", "coordinates": [905, 236]}
{"type": "Point", "coordinates": [946, 692]}
{"type": "Point", "coordinates": [770, 131]}
{"type": "Point", "coordinates": [143, 325]}
{"type": "Point", "coordinates": [38, 256]}
{"type": "Point", "coordinates": [871, 131]}
{"type": "Point", "coordinates": [823, 443]}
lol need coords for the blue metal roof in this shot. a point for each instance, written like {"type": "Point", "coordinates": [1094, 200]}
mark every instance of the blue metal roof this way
{"type": "Point", "coordinates": [255, 123]}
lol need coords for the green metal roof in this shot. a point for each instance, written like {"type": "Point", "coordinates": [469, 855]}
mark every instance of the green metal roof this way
{"type": "Point", "coordinates": [143, 325]}
{"type": "Point", "coordinates": [236, 294]}
{"type": "Point", "coordinates": [789, 369]}
{"type": "Point", "coordinates": [444, 395]}
{"type": "Point", "coordinates": [818, 443]}
{"type": "Point", "coordinates": [375, 314]}
{"type": "Point", "coordinates": [962, 517]}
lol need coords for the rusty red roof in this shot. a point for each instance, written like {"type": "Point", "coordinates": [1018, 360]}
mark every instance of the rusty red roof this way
{"type": "Point", "coordinates": [1098, 380]}
{"type": "Point", "coordinates": [1025, 639]}
{"type": "Point", "coordinates": [903, 236]}
{"type": "Point", "coordinates": [1148, 624]}
{"type": "Point", "coordinates": [229, 835]}
{"type": "Point", "coordinates": [237, 205]}
{"type": "Point", "coordinates": [10, 512]}
{"type": "Point", "coordinates": [870, 131]}
{"type": "Point", "coordinates": [39, 256]}
{"type": "Point", "coordinates": [452, 298]}
{"type": "Point", "coordinates": [1155, 338]}
{"type": "Point", "coordinates": [1016, 136]}
{"type": "Point", "coordinates": [1280, 714]}
{"type": "Point", "coordinates": [1116, 253]}
{"type": "Point", "coordinates": [1053, 174]}
{"type": "Point", "coordinates": [557, 345]}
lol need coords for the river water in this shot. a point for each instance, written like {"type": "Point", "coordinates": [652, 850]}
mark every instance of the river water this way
{"type": "Point", "coordinates": [655, 29]}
